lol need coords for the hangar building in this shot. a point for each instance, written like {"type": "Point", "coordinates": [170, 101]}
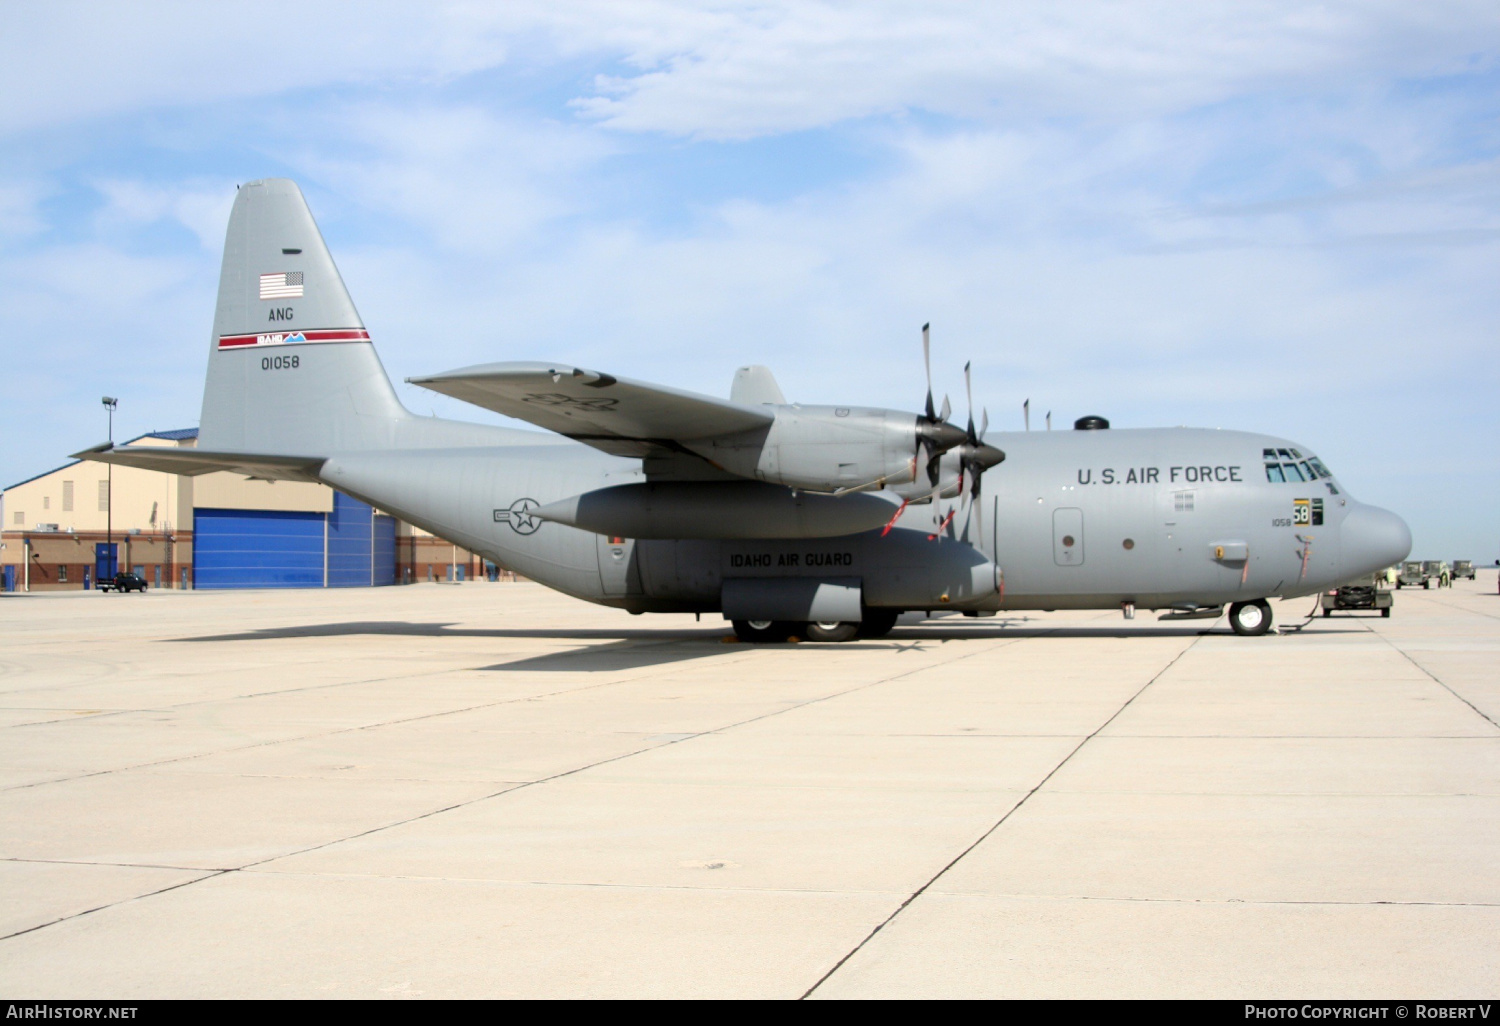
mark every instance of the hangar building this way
{"type": "Point", "coordinates": [217, 530]}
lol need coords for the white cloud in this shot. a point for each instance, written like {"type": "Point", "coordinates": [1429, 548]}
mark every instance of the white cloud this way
{"type": "Point", "coordinates": [749, 70]}
{"type": "Point", "coordinates": [472, 181]}
{"type": "Point", "coordinates": [68, 60]}
{"type": "Point", "coordinates": [736, 70]}
{"type": "Point", "coordinates": [201, 207]}
{"type": "Point", "coordinates": [19, 213]}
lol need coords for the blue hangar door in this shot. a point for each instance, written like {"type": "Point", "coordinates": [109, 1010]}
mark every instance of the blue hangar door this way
{"type": "Point", "coordinates": [252, 548]}
{"type": "Point", "coordinates": [350, 547]}
{"type": "Point", "coordinates": [361, 545]}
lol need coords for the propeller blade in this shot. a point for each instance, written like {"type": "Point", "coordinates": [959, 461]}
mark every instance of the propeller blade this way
{"type": "Point", "coordinates": [927, 360]}
{"type": "Point", "coordinates": [947, 409]}
{"type": "Point", "coordinates": [984, 425]}
{"type": "Point", "coordinates": [969, 392]}
{"type": "Point", "coordinates": [943, 526]}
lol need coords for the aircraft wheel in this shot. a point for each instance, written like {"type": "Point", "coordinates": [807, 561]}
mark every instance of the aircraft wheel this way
{"type": "Point", "coordinates": [832, 630]}
{"type": "Point", "coordinates": [1250, 619]}
{"type": "Point", "coordinates": [762, 632]}
{"type": "Point", "coordinates": [877, 623]}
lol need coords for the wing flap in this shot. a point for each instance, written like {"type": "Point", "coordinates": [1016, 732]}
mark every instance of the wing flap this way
{"type": "Point", "coordinates": [617, 415]}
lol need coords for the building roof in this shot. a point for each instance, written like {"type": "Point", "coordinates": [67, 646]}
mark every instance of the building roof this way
{"type": "Point", "coordinates": [178, 435]}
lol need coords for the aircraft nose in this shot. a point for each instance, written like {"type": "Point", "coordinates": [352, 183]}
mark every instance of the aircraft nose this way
{"type": "Point", "coordinates": [1372, 539]}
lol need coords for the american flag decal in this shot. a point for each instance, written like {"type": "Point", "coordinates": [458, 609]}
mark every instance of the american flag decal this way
{"type": "Point", "coordinates": [281, 285]}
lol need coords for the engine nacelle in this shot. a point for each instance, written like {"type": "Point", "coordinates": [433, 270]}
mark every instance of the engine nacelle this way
{"type": "Point", "coordinates": [828, 448]}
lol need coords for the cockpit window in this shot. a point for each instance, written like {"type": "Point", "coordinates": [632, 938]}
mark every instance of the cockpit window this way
{"type": "Point", "coordinates": [1283, 465]}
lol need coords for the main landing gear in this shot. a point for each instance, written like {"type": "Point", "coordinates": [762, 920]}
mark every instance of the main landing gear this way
{"type": "Point", "coordinates": [1250, 619]}
{"type": "Point", "coordinates": [877, 623]}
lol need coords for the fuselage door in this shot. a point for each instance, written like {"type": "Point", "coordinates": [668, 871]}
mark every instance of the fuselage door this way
{"type": "Point", "coordinates": [1067, 536]}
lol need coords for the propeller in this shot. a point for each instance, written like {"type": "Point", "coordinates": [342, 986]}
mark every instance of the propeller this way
{"type": "Point", "coordinates": [935, 435]}
{"type": "Point", "coordinates": [975, 457]}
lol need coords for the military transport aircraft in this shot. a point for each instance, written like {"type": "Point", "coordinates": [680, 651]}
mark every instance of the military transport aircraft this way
{"type": "Point", "coordinates": [821, 521]}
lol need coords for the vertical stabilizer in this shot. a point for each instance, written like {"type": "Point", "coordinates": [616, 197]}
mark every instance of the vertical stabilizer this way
{"type": "Point", "coordinates": [290, 366]}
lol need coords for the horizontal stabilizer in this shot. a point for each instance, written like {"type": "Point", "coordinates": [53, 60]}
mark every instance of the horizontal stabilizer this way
{"type": "Point", "coordinates": [619, 416]}
{"type": "Point", "coordinates": [192, 462]}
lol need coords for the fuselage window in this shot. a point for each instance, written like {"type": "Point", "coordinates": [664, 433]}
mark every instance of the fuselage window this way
{"type": "Point", "coordinates": [1292, 473]}
{"type": "Point", "coordinates": [1307, 472]}
{"type": "Point", "coordinates": [1284, 454]}
{"type": "Point", "coordinates": [1273, 473]}
{"type": "Point", "coordinates": [1317, 465]}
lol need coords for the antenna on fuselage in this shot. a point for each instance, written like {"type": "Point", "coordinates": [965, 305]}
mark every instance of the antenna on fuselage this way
{"type": "Point", "coordinates": [1049, 420]}
{"type": "Point", "coordinates": [1026, 413]}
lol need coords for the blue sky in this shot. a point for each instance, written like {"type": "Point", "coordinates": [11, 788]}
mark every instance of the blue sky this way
{"type": "Point", "coordinates": [1253, 215]}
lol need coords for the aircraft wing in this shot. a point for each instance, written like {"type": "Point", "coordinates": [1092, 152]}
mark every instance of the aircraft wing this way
{"type": "Point", "coordinates": [617, 415]}
{"type": "Point", "coordinates": [192, 462]}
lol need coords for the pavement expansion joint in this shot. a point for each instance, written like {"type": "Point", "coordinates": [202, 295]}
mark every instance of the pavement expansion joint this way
{"type": "Point", "coordinates": [996, 825]}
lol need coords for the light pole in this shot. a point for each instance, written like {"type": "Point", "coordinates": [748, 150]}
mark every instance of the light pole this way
{"type": "Point", "coordinates": [109, 489]}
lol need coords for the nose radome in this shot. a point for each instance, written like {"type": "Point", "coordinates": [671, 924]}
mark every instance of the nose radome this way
{"type": "Point", "coordinates": [1372, 539]}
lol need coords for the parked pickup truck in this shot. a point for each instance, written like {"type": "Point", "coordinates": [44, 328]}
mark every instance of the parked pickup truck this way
{"type": "Point", "coordinates": [1358, 594]}
{"type": "Point", "coordinates": [123, 581]}
{"type": "Point", "coordinates": [1411, 575]}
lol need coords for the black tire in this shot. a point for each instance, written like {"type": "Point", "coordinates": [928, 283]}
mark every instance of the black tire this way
{"type": "Point", "coordinates": [878, 622]}
{"type": "Point", "coordinates": [1426, 585]}
{"type": "Point", "coordinates": [837, 630]}
{"type": "Point", "coordinates": [1250, 619]}
{"type": "Point", "coordinates": [1328, 612]}
{"type": "Point", "coordinates": [763, 632]}
{"type": "Point", "coordinates": [1386, 611]}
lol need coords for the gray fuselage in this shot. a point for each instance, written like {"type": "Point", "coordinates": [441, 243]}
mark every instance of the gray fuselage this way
{"type": "Point", "coordinates": [1072, 519]}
